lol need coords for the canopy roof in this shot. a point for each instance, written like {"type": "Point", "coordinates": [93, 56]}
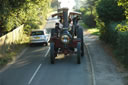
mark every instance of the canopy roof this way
{"type": "Point", "coordinates": [61, 14]}
{"type": "Point", "coordinates": [74, 13]}
{"type": "Point", "coordinates": [57, 14]}
{"type": "Point", "coordinates": [61, 10]}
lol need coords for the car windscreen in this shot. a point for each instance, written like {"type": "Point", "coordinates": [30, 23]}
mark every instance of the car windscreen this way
{"type": "Point", "coordinates": [37, 33]}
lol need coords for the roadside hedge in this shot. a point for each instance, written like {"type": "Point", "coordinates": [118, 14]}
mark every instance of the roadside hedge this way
{"type": "Point", "coordinates": [116, 35]}
{"type": "Point", "coordinates": [122, 42]}
{"type": "Point", "coordinates": [111, 34]}
{"type": "Point", "coordinates": [113, 26]}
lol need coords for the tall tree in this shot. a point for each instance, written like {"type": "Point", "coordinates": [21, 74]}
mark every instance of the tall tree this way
{"type": "Point", "coordinates": [55, 4]}
{"type": "Point", "coordinates": [16, 12]}
{"type": "Point", "coordinates": [91, 4]}
{"type": "Point", "coordinates": [108, 10]}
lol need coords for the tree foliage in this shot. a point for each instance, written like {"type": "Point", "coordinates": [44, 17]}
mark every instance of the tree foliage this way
{"type": "Point", "coordinates": [109, 14]}
{"type": "Point", "coordinates": [108, 10]}
{"type": "Point", "coordinates": [55, 4]}
{"type": "Point", "coordinates": [16, 12]}
{"type": "Point", "coordinates": [88, 12]}
{"type": "Point", "coordinates": [124, 4]}
{"type": "Point", "coordinates": [91, 4]}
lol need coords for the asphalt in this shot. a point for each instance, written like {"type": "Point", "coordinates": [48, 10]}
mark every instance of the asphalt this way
{"type": "Point", "coordinates": [34, 68]}
{"type": "Point", "coordinates": [21, 71]}
{"type": "Point", "coordinates": [105, 70]}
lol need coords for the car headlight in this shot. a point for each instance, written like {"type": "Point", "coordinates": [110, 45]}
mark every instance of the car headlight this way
{"type": "Point", "coordinates": [65, 39]}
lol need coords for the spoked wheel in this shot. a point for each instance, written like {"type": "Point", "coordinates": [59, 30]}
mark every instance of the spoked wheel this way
{"type": "Point", "coordinates": [80, 35]}
{"type": "Point", "coordinates": [78, 53]}
{"type": "Point", "coordinates": [52, 56]}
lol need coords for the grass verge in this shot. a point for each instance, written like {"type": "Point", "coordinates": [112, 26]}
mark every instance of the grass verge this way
{"type": "Point", "coordinates": [94, 31]}
{"type": "Point", "coordinates": [9, 54]}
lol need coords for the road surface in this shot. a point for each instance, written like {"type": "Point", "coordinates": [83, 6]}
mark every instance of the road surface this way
{"type": "Point", "coordinates": [34, 68]}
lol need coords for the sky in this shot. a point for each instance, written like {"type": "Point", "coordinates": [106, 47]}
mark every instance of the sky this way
{"type": "Point", "coordinates": [67, 3]}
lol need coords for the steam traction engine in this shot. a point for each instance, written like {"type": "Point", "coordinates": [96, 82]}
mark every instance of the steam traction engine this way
{"type": "Point", "coordinates": [67, 39]}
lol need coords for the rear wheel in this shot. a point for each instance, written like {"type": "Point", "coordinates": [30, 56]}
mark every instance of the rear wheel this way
{"type": "Point", "coordinates": [80, 35]}
{"type": "Point", "coordinates": [78, 53]}
{"type": "Point", "coordinates": [52, 56]}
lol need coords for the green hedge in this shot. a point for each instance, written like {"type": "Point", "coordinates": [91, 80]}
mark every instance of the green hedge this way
{"type": "Point", "coordinates": [122, 42]}
{"type": "Point", "coordinates": [111, 33]}
{"type": "Point", "coordinates": [122, 47]}
{"type": "Point", "coordinates": [118, 38]}
{"type": "Point", "coordinates": [108, 33]}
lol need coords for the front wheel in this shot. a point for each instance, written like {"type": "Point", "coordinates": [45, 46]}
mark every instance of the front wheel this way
{"type": "Point", "coordinates": [52, 56]}
{"type": "Point", "coordinates": [78, 52]}
{"type": "Point", "coordinates": [80, 35]}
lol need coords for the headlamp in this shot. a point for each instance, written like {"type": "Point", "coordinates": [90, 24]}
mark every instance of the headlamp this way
{"type": "Point", "coordinates": [65, 39]}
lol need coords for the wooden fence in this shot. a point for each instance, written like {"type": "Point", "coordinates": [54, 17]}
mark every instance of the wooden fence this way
{"type": "Point", "coordinates": [11, 39]}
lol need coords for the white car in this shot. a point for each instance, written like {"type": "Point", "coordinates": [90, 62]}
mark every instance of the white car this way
{"type": "Point", "coordinates": [39, 36]}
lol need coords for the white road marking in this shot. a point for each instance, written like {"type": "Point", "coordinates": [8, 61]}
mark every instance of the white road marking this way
{"type": "Point", "coordinates": [34, 74]}
{"type": "Point", "coordinates": [38, 68]}
{"type": "Point", "coordinates": [47, 52]}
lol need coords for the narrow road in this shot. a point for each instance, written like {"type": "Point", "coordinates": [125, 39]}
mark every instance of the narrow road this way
{"type": "Point", "coordinates": [34, 68]}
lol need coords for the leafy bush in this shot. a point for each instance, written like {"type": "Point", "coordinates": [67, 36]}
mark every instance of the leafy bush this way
{"type": "Point", "coordinates": [122, 27]}
{"type": "Point", "coordinates": [111, 33]}
{"type": "Point", "coordinates": [124, 4]}
{"type": "Point", "coordinates": [122, 42]}
{"type": "Point", "coordinates": [122, 47]}
{"type": "Point", "coordinates": [89, 20]}
{"type": "Point", "coordinates": [108, 10]}
{"type": "Point", "coordinates": [108, 33]}
{"type": "Point", "coordinates": [4, 60]}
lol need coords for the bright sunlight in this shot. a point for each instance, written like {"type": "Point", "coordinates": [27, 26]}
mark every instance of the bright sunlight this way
{"type": "Point", "coordinates": [67, 3]}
